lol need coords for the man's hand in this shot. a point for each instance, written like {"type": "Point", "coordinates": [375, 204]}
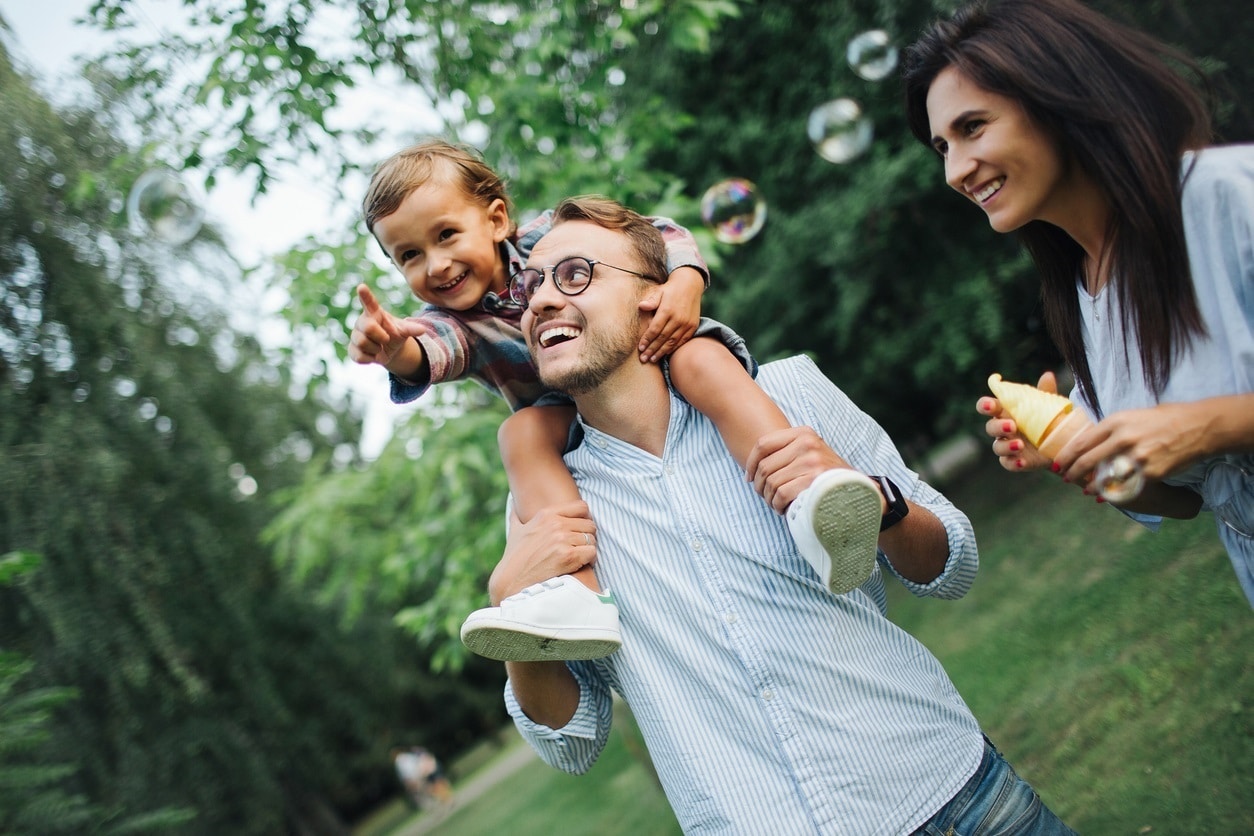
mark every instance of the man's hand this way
{"type": "Point", "coordinates": [379, 337]}
{"type": "Point", "coordinates": [784, 463]}
{"type": "Point", "coordinates": [557, 541]}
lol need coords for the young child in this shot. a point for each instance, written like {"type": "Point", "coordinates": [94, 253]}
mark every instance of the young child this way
{"type": "Point", "coordinates": [443, 218]}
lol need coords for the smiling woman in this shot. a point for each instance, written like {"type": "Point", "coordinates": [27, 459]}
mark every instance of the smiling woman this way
{"type": "Point", "coordinates": [1083, 135]}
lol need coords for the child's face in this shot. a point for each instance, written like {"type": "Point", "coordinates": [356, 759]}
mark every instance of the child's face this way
{"type": "Point", "coordinates": [447, 245]}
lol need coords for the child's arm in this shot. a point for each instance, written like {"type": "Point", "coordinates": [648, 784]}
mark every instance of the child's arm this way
{"type": "Point", "coordinates": [532, 442]}
{"type": "Point", "coordinates": [715, 382]}
{"type": "Point", "coordinates": [379, 337]}
{"type": "Point", "coordinates": [676, 313]}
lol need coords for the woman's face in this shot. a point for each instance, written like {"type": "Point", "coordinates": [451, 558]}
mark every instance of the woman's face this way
{"type": "Point", "coordinates": [996, 156]}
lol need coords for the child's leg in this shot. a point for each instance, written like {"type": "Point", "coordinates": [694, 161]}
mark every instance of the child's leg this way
{"type": "Point", "coordinates": [562, 618]}
{"type": "Point", "coordinates": [718, 386]}
{"type": "Point", "coordinates": [532, 441]}
{"type": "Point", "coordinates": [835, 522]}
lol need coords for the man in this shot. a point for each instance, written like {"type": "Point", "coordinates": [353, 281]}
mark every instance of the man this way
{"type": "Point", "coordinates": [768, 703]}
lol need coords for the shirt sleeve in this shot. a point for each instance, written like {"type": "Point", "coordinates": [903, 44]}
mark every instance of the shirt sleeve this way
{"type": "Point", "coordinates": [576, 746]}
{"type": "Point", "coordinates": [681, 248]}
{"type": "Point", "coordinates": [448, 347]}
{"type": "Point", "coordinates": [861, 441]}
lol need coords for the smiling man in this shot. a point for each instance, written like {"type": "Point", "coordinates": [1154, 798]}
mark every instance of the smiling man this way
{"type": "Point", "coordinates": [767, 702]}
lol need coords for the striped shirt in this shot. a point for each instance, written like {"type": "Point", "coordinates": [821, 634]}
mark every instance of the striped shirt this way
{"type": "Point", "coordinates": [485, 343]}
{"type": "Point", "coordinates": [767, 703]}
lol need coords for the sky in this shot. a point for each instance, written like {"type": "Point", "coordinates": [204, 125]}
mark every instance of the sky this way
{"type": "Point", "coordinates": [47, 40]}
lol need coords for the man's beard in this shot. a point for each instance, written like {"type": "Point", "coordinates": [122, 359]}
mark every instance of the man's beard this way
{"type": "Point", "coordinates": [603, 354]}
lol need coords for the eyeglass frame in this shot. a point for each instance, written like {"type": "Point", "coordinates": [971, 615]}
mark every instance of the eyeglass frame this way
{"type": "Point", "coordinates": [516, 280]}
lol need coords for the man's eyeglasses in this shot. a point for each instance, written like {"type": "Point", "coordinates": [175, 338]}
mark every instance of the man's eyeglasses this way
{"type": "Point", "coordinates": [571, 276]}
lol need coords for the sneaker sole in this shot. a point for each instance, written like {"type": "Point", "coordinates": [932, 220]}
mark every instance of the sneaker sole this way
{"type": "Point", "coordinates": [506, 642]}
{"type": "Point", "coordinates": [847, 523]}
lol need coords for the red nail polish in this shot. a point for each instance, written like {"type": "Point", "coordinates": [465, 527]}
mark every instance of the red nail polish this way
{"type": "Point", "coordinates": [1055, 467]}
{"type": "Point", "coordinates": [1016, 446]}
{"type": "Point", "coordinates": [1019, 463]}
{"type": "Point", "coordinates": [1101, 499]}
{"type": "Point", "coordinates": [1006, 426]}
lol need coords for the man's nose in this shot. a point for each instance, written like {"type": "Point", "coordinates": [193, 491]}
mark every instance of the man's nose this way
{"type": "Point", "coordinates": [546, 296]}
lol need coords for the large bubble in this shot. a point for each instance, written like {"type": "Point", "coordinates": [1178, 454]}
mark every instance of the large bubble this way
{"type": "Point", "coordinates": [162, 205]}
{"type": "Point", "coordinates": [872, 55]}
{"type": "Point", "coordinates": [734, 210]}
{"type": "Point", "coordinates": [839, 130]}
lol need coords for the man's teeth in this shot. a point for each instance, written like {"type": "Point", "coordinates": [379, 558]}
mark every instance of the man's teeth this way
{"type": "Point", "coordinates": [990, 190]}
{"type": "Point", "coordinates": [560, 333]}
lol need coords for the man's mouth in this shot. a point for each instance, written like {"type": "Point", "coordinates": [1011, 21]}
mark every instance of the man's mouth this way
{"type": "Point", "coordinates": [558, 334]}
{"type": "Point", "coordinates": [988, 191]}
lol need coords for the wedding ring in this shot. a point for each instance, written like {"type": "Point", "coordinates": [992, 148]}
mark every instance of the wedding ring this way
{"type": "Point", "coordinates": [587, 539]}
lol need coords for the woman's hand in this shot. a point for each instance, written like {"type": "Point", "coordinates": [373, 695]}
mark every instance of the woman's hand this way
{"type": "Point", "coordinates": [1014, 451]}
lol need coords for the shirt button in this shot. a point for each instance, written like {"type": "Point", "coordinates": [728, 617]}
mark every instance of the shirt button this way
{"type": "Point", "coordinates": [730, 618]}
{"type": "Point", "coordinates": [669, 470]}
{"type": "Point", "coordinates": [768, 694]}
{"type": "Point", "coordinates": [601, 443]}
{"type": "Point", "coordinates": [696, 545]}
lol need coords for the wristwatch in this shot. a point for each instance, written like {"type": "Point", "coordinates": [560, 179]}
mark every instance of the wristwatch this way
{"type": "Point", "coordinates": [897, 507]}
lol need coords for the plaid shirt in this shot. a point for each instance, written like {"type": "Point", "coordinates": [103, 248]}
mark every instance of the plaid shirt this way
{"type": "Point", "coordinates": [485, 343]}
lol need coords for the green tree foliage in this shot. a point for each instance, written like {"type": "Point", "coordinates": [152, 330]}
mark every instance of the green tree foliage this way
{"type": "Point", "coordinates": [897, 287]}
{"type": "Point", "coordinates": [141, 443]}
{"type": "Point", "coordinates": [426, 524]}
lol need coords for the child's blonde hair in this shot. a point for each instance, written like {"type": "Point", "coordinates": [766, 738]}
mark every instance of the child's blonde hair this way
{"type": "Point", "coordinates": [417, 165]}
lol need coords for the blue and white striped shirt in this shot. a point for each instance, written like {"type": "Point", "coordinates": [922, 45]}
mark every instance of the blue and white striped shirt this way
{"type": "Point", "coordinates": [767, 703]}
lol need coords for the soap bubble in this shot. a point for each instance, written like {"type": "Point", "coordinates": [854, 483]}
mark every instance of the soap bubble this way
{"type": "Point", "coordinates": [839, 130]}
{"type": "Point", "coordinates": [161, 204]}
{"type": "Point", "coordinates": [871, 55]}
{"type": "Point", "coordinates": [734, 210]}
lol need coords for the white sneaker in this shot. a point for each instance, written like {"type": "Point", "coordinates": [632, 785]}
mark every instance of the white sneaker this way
{"type": "Point", "coordinates": [557, 620]}
{"type": "Point", "coordinates": [836, 524]}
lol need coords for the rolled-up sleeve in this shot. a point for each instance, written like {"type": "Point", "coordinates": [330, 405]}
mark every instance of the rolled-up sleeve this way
{"type": "Point", "coordinates": [576, 746]}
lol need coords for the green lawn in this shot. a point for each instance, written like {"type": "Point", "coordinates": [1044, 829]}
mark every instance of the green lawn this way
{"type": "Point", "coordinates": [1109, 664]}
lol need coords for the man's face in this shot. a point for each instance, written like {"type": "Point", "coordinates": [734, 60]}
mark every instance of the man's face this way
{"type": "Point", "coordinates": [578, 342]}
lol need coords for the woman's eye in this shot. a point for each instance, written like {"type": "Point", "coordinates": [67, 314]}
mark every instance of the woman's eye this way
{"type": "Point", "coordinates": [973, 126]}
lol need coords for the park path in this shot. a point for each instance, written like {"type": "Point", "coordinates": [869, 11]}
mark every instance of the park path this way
{"type": "Point", "coordinates": [467, 792]}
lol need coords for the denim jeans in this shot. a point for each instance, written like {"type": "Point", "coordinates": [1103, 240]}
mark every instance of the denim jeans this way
{"type": "Point", "coordinates": [995, 802]}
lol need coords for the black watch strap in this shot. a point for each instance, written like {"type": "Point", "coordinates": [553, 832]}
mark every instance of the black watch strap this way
{"type": "Point", "coordinates": [897, 507]}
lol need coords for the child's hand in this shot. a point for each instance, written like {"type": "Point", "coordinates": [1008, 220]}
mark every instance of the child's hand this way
{"type": "Point", "coordinates": [378, 336]}
{"type": "Point", "coordinates": [677, 308]}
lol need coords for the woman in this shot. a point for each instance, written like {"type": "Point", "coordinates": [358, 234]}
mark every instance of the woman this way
{"type": "Point", "coordinates": [1080, 134]}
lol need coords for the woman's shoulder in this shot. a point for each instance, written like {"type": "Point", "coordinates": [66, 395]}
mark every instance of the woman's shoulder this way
{"type": "Point", "coordinates": [1218, 164]}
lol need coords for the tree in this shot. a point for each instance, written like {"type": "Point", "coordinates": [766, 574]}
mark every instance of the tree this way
{"type": "Point", "coordinates": [141, 441]}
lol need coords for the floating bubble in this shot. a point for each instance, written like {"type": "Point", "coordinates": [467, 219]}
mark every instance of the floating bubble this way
{"type": "Point", "coordinates": [872, 55]}
{"type": "Point", "coordinates": [839, 130]}
{"type": "Point", "coordinates": [161, 204]}
{"type": "Point", "coordinates": [734, 210]}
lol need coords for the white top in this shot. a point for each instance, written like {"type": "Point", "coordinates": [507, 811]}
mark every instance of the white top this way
{"type": "Point", "coordinates": [1218, 211]}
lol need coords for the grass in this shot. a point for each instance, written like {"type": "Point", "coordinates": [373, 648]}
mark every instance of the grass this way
{"type": "Point", "coordinates": [1110, 665]}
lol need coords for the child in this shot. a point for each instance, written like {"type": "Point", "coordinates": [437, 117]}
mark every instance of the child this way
{"type": "Point", "coordinates": [442, 216]}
